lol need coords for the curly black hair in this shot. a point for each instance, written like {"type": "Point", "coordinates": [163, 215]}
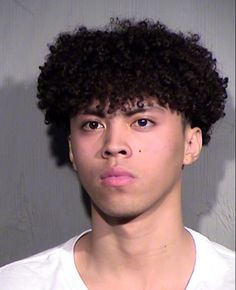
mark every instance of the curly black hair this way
{"type": "Point", "coordinates": [125, 62]}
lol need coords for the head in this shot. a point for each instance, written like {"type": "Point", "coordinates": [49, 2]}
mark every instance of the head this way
{"type": "Point", "coordinates": [117, 72]}
{"type": "Point", "coordinates": [126, 63]}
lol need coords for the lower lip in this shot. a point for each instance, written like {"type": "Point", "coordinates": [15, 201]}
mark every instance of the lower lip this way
{"type": "Point", "coordinates": [117, 180]}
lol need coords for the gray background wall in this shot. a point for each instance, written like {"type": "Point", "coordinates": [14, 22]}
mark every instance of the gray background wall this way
{"type": "Point", "coordinates": [40, 200]}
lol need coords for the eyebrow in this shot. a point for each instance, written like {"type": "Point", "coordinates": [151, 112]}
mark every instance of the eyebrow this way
{"type": "Point", "coordinates": [102, 114]}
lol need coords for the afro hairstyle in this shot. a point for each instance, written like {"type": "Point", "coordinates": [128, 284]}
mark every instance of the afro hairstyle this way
{"type": "Point", "coordinates": [126, 61]}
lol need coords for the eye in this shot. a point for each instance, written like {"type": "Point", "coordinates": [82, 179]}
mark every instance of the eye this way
{"type": "Point", "coordinates": [143, 123]}
{"type": "Point", "coordinates": [92, 125]}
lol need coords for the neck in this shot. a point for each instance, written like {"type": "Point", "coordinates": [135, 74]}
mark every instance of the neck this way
{"type": "Point", "coordinates": [153, 231]}
{"type": "Point", "coordinates": [151, 243]}
{"type": "Point", "coordinates": [153, 235]}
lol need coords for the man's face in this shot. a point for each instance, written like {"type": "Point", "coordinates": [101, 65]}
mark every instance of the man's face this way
{"type": "Point", "coordinates": [129, 162]}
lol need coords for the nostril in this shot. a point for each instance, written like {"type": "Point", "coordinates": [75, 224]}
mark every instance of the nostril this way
{"type": "Point", "coordinates": [123, 152]}
{"type": "Point", "coordinates": [115, 152]}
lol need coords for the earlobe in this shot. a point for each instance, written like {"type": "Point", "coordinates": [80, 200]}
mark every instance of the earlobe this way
{"type": "Point", "coordinates": [193, 145]}
{"type": "Point", "coordinates": [71, 156]}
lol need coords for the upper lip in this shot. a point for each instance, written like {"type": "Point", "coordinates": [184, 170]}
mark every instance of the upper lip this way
{"type": "Point", "coordinates": [115, 172]}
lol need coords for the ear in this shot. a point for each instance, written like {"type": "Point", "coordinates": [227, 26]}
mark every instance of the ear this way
{"type": "Point", "coordinates": [193, 145]}
{"type": "Point", "coordinates": [71, 155]}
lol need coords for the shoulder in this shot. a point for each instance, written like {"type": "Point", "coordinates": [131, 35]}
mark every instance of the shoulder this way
{"type": "Point", "coordinates": [215, 250]}
{"type": "Point", "coordinates": [215, 264]}
{"type": "Point", "coordinates": [36, 272]}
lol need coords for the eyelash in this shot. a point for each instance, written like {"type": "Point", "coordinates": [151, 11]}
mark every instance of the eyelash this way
{"type": "Point", "coordinates": [149, 122]}
{"type": "Point", "coordinates": [85, 125]}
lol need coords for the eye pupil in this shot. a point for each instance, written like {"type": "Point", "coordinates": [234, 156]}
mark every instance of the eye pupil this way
{"type": "Point", "coordinates": [93, 125]}
{"type": "Point", "coordinates": [142, 122]}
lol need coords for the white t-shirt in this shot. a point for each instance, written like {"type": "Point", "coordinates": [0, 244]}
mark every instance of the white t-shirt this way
{"type": "Point", "coordinates": [55, 269]}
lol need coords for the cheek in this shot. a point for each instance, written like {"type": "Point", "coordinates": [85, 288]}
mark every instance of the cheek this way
{"type": "Point", "coordinates": [174, 150]}
{"type": "Point", "coordinates": [77, 150]}
{"type": "Point", "coordinates": [163, 149]}
{"type": "Point", "coordinates": [84, 151]}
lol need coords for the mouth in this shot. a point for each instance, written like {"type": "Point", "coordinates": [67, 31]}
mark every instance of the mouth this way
{"type": "Point", "coordinates": [117, 177]}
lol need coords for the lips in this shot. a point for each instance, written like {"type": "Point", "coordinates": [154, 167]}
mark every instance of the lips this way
{"type": "Point", "coordinates": [117, 177]}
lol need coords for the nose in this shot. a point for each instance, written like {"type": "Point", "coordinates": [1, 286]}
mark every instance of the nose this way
{"type": "Point", "coordinates": [116, 144]}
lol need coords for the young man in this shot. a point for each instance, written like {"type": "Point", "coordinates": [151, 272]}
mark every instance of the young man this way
{"type": "Point", "coordinates": [138, 102]}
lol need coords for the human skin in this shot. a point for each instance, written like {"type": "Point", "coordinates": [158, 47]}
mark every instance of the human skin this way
{"type": "Point", "coordinates": [131, 165]}
{"type": "Point", "coordinates": [148, 151]}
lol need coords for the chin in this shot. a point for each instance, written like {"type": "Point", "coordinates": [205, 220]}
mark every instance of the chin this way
{"type": "Point", "coordinates": [117, 215]}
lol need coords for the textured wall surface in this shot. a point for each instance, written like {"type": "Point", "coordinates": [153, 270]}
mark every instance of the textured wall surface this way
{"type": "Point", "coordinates": [41, 204]}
